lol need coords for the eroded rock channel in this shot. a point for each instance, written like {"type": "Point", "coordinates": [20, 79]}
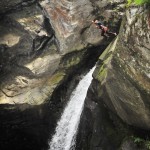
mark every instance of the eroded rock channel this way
{"type": "Point", "coordinates": [45, 49]}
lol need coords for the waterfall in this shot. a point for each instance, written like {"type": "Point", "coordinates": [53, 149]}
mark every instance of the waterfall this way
{"type": "Point", "coordinates": [65, 133]}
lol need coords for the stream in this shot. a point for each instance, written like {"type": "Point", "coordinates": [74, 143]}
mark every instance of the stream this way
{"type": "Point", "coordinates": [66, 129]}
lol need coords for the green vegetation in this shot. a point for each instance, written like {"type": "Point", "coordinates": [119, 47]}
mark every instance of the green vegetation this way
{"type": "Point", "coordinates": [141, 142]}
{"type": "Point", "coordinates": [147, 144]}
{"type": "Point", "coordinates": [138, 2]}
{"type": "Point", "coordinates": [137, 140]}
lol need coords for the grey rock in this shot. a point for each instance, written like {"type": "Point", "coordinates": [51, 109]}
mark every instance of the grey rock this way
{"type": "Point", "coordinates": [123, 71]}
{"type": "Point", "coordinates": [41, 43]}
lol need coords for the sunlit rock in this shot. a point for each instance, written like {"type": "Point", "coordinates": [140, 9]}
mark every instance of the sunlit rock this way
{"type": "Point", "coordinates": [40, 42]}
{"type": "Point", "coordinates": [71, 21]}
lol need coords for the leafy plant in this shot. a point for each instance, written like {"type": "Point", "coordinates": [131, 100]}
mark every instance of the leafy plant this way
{"type": "Point", "coordinates": [137, 139]}
{"type": "Point", "coordinates": [138, 2]}
{"type": "Point", "coordinates": [147, 144]}
{"type": "Point", "coordinates": [141, 142]}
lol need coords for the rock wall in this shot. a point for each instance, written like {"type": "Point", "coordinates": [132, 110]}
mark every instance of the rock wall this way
{"type": "Point", "coordinates": [71, 21]}
{"type": "Point", "coordinates": [27, 128]}
{"type": "Point", "coordinates": [27, 58]}
{"type": "Point", "coordinates": [43, 46]}
{"type": "Point", "coordinates": [120, 88]}
{"type": "Point", "coordinates": [42, 41]}
{"type": "Point", "coordinates": [123, 73]}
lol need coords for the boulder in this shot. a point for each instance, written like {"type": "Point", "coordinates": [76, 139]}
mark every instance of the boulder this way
{"type": "Point", "coordinates": [71, 21]}
{"type": "Point", "coordinates": [123, 71]}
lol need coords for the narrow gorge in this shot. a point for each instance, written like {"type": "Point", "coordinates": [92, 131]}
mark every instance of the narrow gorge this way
{"type": "Point", "coordinates": [47, 49]}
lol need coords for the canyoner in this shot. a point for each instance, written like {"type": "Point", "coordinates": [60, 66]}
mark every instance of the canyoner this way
{"type": "Point", "coordinates": [105, 32]}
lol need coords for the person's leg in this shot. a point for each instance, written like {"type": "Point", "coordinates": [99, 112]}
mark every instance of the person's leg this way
{"type": "Point", "coordinates": [103, 33]}
{"type": "Point", "coordinates": [111, 33]}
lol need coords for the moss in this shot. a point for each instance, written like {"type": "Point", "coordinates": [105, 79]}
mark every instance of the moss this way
{"type": "Point", "coordinates": [72, 59]}
{"type": "Point", "coordinates": [72, 62]}
{"type": "Point", "coordinates": [101, 71]}
{"type": "Point", "coordinates": [56, 78]}
{"type": "Point", "coordinates": [138, 2]}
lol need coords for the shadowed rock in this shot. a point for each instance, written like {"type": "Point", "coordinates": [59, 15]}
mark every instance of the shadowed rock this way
{"type": "Point", "coordinates": [123, 70]}
{"type": "Point", "coordinates": [42, 43]}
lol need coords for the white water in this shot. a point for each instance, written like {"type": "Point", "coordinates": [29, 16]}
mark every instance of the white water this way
{"type": "Point", "coordinates": [65, 133]}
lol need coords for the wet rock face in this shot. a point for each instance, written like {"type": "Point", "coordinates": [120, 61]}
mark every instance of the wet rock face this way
{"type": "Point", "coordinates": [102, 129]}
{"type": "Point", "coordinates": [35, 40]}
{"type": "Point", "coordinates": [123, 70]}
{"type": "Point", "coordinates": [96, 131]}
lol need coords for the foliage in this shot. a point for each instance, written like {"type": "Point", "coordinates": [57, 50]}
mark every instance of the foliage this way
{"type": "Point", "coordinates": [147, 144]}
{"type": "Point", "coordinates": [138, 2]}
{"type": "Point", "coordinates": [139, 141]}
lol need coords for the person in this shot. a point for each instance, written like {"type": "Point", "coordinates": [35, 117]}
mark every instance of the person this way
{"type": "Point", "coordinates": [104, 30]}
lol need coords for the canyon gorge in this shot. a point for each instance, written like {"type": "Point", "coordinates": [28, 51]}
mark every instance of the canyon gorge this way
{"type": "Point", "coordinates": [47, 47]}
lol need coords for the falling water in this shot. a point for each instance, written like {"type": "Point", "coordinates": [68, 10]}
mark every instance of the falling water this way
{"type": "Point", "coordinates": [65, 133]}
